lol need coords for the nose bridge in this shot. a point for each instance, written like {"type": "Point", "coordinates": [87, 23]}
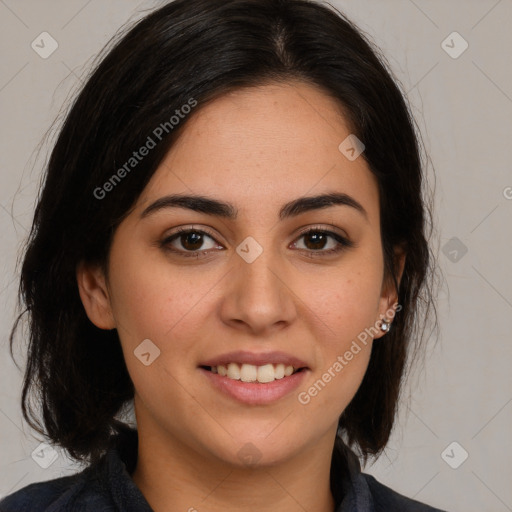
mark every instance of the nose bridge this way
{"type": "Point", "coordinates": [259, 266]}
{"type": "Point", "coordinates": [259, 274]}
{"type": "Point", "coordinates": [259, 295]}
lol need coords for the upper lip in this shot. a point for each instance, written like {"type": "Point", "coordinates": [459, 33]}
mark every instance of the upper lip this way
{"type": "Point", "coordinates": [256, 359]}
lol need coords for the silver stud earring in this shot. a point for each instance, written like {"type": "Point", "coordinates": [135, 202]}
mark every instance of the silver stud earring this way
{"type": "Point", "coordinates": [385, 326]}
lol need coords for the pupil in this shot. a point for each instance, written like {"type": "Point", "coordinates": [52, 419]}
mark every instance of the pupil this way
{"type": "Point", "coordinates": [196, 243]}
{"type": "Point", "coordinates": [320, 240]}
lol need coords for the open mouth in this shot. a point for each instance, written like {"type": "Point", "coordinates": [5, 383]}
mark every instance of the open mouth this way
{"type": "Point", "coordinates": [251, 373]}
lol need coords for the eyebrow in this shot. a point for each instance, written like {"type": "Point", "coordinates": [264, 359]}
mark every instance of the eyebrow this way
{"type": "Point", "coordinates": [211, 206]}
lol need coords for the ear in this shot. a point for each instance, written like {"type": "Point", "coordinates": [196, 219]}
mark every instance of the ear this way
{"type": "Point", "coordinates": [95, 296]}
{"type": "Point", "coordinates": [389, 295]}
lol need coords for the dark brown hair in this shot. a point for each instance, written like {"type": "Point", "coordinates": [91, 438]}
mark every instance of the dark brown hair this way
{"type": "Point", "coordinates": [202, 49]}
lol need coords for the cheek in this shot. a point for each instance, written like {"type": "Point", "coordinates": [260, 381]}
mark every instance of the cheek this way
{"type": "Point", "coordinates": [150, 296]}
{"type": "Point", "coordinates": [344, 300]}
{"type": "Point", "coordinates": [343, 345]}
{"type": "Point", "coordinates": [345, 303]}
{"type": "Point", "coordinates": [155, 301]}
{"type": "Point", "coordinates": [151, 303]}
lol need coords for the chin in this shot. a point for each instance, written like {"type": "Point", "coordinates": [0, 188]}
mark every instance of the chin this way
{"type": "Point", "coordinates": [260, 451]}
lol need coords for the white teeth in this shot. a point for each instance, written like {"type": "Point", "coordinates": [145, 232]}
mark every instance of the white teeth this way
{"type": "Point", "coordinates": [248, 373]}
{"type": "Point", "coordinates": [266, 373]}
{"type": "Point", "coordinates": [233, 371]}
{"type": "Point", "coordinates": [279, 371]}
{"type": "Point", "coordinates": [252, 373]}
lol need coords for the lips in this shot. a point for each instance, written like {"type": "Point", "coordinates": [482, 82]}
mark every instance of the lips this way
{"type": "Point", "coordinates": [254, 378]}
{"type": "Point", "coordinates": [254, 393]}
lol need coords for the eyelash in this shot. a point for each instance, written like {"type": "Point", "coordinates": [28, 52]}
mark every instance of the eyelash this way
{"type": "Point", "coordinates": [343, 243]}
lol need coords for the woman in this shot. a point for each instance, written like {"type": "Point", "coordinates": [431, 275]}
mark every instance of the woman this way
{"type": "Point", "coordinates": [231, 233]}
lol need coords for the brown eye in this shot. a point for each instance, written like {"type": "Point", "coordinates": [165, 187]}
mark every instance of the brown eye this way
{"type": "Point", "coordinates": [315, 240]}
{"type": "Point", "coordinates": [189, 242]}
{"type": "Point", "coordinates": [323, 242]}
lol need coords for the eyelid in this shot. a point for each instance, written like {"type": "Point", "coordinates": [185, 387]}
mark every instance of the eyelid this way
{"type": "Point", "coordinates": [190, 228]}
{"type": "Point", "coordinates": [324, 227]}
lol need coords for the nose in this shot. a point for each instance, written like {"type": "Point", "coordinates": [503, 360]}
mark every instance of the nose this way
{"type": "Point", "coordinates": [259, 298]}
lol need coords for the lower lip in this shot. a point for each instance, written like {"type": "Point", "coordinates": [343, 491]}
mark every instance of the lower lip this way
{"type": "Point", "coordinates": [255, 393]}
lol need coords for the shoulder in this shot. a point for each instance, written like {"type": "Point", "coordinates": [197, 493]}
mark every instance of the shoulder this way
{"type": "Point", "coordinates": [385, 499]}
{"type": "Point", "coordinates": [80, 492]}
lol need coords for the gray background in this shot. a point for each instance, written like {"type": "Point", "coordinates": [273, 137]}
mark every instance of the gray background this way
{"type": "Point", "coordinates": [463, 106]}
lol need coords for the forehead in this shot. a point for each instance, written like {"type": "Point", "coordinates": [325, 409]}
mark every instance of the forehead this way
{"type": "Point", "coordinates": [262, 145]}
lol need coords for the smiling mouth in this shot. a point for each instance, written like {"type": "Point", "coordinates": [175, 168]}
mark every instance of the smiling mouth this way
{"type": "Point", "coordinates": [251, 373]}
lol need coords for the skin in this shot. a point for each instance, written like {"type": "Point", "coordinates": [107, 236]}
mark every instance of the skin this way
{"type": "Point", "coordinates": [258, 149]}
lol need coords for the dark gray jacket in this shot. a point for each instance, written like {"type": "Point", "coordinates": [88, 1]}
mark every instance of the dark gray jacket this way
{"type": "Point", "coordinates": [108, 487]}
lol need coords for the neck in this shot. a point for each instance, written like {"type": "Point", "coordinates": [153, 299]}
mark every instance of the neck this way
{"type": "Point", "coordinates": [172, 476]}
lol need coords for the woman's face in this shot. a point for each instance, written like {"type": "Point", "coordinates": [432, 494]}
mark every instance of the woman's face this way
{"type": "Point", "coordinates": [249, 280]}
